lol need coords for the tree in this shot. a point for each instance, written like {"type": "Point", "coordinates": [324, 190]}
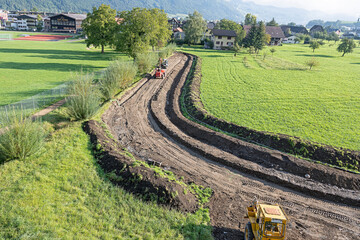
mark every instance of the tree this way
{"type": "Point", "coordinates": [250, 19]}
{"type": "Point", "coordinates": [272, 50]}
{"type": "Point", "coordinates": [100, 27]}
{"type": "Point", "coordinates": [137, 34]}
{"type": "Point", "coordinates": [257, 37]}
{"type": "Point", "coordinates": [272, 23]}
{"type": "Point", "coordinates": [346, 46]}
{"type": "Point", "coordinates": [160, 29]}
{"type": "Point", "coordinates": [194, 28]}
{"type": "Point", "coordinates": [261, 37]}
{"type": "Point", "coordinates": [39, 23]}
{"type": "Point", "coordinates": [231, 25]}
{"type": "Point", "coordinates": [291, 24]}
{"type": "Point", "coordinates": [237, 49]}
{"type": "Point", "coordinates": [312, 63]}
{"type": "Point", "coordinates": [314, 45]}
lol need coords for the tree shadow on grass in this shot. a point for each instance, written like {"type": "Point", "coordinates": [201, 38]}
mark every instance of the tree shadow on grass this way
{"type": "Point", "coordinates": [356, 63]}
{"type": "Point", "coordinates": [64, 67]}
{"type": "Point", "coordinates": [82, 55]}
{"type": "Point", "coordinates": [315, 55]}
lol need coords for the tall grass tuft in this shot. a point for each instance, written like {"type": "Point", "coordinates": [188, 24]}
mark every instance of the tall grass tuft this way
{"type": "Point", "coordinates": [84, 98]}
{"type": "Point", "coordinates": [21, 137]}
{"type": "Point", "coordinates": [146, 61]}
{"type": "Point", "coordinates": [119, 75]}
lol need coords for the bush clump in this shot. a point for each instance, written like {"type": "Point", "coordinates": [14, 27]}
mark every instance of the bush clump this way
{"type": "Point", "coordinates": [146, 61]}
{"type": "Point", "coordinates": [20, 137]}
{"type": "Point", "coordinates": [168, 50]}
{"type": "Point", "coordinates": [84, 98]}
{"type": "Point", "coordinates": [117, 76]}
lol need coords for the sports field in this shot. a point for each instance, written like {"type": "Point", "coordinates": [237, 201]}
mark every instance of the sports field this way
{"type": "Point", "coordinates": [279, 94]}
{"type": "Point", "coordinates": [30, 67]}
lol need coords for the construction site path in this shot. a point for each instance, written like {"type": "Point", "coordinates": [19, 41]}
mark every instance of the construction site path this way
{"type": "Point", "coordinates": [131, 120]}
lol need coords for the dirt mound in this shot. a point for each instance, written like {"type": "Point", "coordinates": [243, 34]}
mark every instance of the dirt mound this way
{"type": "Point", "coordinates": [134, 177]}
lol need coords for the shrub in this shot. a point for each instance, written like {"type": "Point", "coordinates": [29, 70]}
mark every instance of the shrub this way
{"type": "Point", "coordinates": [312, 63]}
{"type": "Point", "coordinates": [118, 75]}
{"type": "Point", "coordinates": [84, 97]}
{"type": "Point", "coordinates": [146, 61]}
{"type": "Point", "coordinates": [168, 50]}
{"type": "Point", "coordinates": [21, 138]}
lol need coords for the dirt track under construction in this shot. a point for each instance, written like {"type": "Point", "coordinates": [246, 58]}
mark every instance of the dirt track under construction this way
{"type": "Point", "coordinates": [148, 122]}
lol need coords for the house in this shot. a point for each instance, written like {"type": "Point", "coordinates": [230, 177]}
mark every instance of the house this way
{"type": "Point", "coordinates": [70, 23]}
{"type": "Point", "coordinates": [174, 23]}
{"type": "Point", "coordinates": [316, 28]}
{"type": "Point", "coordinates": [276, 33]}
{"type": "Point", "coordinates": [293, 30]}
{"type": "Point", "coordinates": [291, 39]}
{"type": "Point", "coordinates": [46, 24]}
{"type": "Point", "coordinates": [207, 33]}
{"type": "Point", "coordinates": [223, 39]}
{"type": "Point", "coordinates": [179, 34]}
{"type": "Point", "coordinates": [31, 22]}
{"type": "Point", "coordinates": [3, 18]}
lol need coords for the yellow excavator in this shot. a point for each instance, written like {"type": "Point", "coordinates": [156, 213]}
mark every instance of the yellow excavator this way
{"type": "Point", "coordinates": [266, 222]}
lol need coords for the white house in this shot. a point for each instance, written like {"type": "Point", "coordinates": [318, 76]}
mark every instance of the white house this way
{"type": "Point", "coordinates": [223, 38]}
{"type": "Point", "coordinates": [291, 39]}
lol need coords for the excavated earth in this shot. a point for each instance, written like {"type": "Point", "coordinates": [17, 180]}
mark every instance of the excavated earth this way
{"type": "Point", "coordinates": [148, 122]}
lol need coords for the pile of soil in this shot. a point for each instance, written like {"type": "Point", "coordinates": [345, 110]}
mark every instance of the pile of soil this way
{"type": "Point", "coordinates": [135, 178]}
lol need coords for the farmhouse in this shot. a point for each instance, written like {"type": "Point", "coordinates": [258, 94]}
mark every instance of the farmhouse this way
{"type": "Point", "coordinates": [210, 27]}
{"type": "Point", "coordinates": [70, 23]}
{"type": "Point", "coordinates": [316, 28]}
{"type": "Point", "coordinates": [292, 30]}
{"type": "Point", "coordinates": [223, 38]}
{"type": "Point", "coordinates": [174, 23]}
{"type": "Point", "coordinates": [276, 34]}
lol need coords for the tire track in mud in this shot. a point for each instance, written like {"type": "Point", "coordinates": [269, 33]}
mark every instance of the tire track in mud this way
{"type": "Point", "coordinates": [132, 124]}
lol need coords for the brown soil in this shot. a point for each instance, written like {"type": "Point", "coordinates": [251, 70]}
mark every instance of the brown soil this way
{"type": "Point", "coordinates": [140, 180]}
{"type": "Point", "coordinates": [147, 121]}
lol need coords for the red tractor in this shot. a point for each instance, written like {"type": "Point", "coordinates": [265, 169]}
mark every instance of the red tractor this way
{"type": "Point", "coordinates": [160, 72]}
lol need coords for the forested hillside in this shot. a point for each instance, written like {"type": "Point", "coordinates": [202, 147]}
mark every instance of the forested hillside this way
{"type": "Point", "coordinates": [210, 9]}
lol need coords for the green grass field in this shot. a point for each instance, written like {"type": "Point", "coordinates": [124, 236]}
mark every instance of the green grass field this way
{"type": "Point", "coordinates": [280, 95]}
{"type": "Point", "coordinates": [61, 193]}
{"type": "Point", "coordinates": [30, 67]}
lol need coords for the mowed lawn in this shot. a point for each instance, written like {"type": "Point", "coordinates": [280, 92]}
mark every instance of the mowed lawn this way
{"type": "Point", "coordinates": [280, 95]}
{"type": "Point", "coordinates": [30, 67]}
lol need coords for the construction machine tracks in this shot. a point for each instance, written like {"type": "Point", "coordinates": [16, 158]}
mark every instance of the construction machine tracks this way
{"type": "Point", "coordinates": [134, 121]}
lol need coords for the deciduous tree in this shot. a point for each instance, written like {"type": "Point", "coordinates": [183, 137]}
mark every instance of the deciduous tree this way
{"type": "Point", "coordinates": [194, 28]}
{"type": "Point", "coordinates": [250, 19]}
{"type": "Point", "coordinates": [141, 29]}
{"type": "Point", "coordinates": [314, 45]}
{"type": "Point", "coordinates": [100, 27]}
{"type": "Point", "coordinates": [346, 46]}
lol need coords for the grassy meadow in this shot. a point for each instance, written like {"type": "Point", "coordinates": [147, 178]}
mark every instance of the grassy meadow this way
{"type": "Point", "coordinates": [61, 193]}
{"type": "Point", "coordinates": [280, 94]}
{"type": "Point", "coordinates": [30, 67]}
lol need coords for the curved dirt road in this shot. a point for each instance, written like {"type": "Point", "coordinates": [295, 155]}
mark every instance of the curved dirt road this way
{"type": "Point", "coordinates": [131, 122]}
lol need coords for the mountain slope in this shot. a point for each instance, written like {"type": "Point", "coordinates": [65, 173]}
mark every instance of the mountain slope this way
{"type": "Point", "coordinates": [210, 9]}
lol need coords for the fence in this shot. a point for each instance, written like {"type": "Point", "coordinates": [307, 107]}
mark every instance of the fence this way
{"type": "Point", "coordinates": [36, 102]}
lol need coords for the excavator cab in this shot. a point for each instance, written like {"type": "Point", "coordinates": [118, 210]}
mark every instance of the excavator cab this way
{"type": "Point", "coordinates": [266, 222]}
